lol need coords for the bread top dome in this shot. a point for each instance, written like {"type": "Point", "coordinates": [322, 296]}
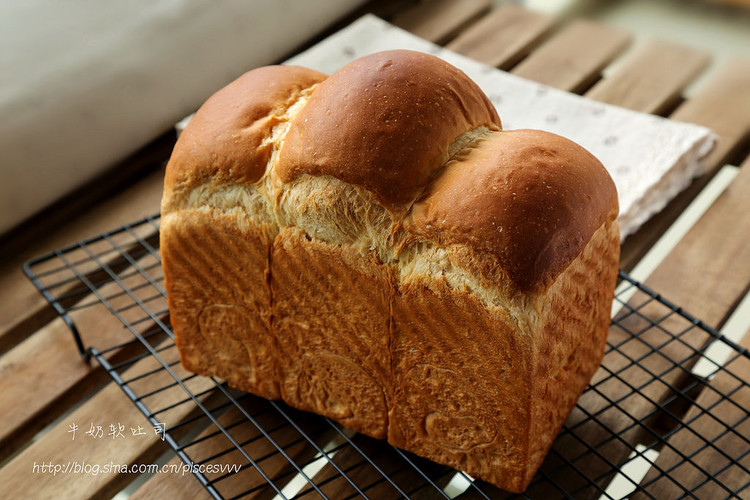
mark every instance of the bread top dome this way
{"type": "Point", "coordinates": [422, 140]}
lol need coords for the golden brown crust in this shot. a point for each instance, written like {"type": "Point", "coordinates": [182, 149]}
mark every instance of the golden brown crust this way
{"type": "Point", "coordinates": [330, 310]}
{"type": "Point", "coordinates": [457, 308]}
{"type": "Point", "coordinates": [469, 409]}
{"type": "Point", "coordinates": [220, 306]}
{"type": "Point", "coordinates": [226, 140]}
{"type": "Point", "coordinates": [384, 122]}
{"type": "Point", "coordinates": [529, 198]}
{"type": "Point", "coordinates": [571, 338]}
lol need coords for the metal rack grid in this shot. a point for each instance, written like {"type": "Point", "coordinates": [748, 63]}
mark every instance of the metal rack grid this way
{"type": "Point", "coordinates": [648, 397]}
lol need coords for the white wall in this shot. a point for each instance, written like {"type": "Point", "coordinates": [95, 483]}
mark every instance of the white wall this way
{"type": "Point", "coordinates": [83, 83]}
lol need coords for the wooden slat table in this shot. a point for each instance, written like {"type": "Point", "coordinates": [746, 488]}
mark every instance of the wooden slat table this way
{"type": "Point", "coordinates": [60, 411]}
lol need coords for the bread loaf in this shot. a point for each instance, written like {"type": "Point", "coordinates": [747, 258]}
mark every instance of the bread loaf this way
{"type": "Point", "coordinates": [372, 247]}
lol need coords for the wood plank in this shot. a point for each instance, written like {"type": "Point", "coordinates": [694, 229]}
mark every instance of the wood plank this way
{"type": "Point", "coordinates": [22, 308]}
{"type": "Point", "coordinates": [503, 37]}
{"type": "Point", "coordinates": [171, 486]}
{"type": "Point", "coordinates": [109, 408]}
{"type": "Point", "coordinates": [44, 375]}
{"type": "Point", "coordinates": [652, 78]}
{"type": "Point", "coordinates": [574, 58]}
{"type": "Point", "coordinates": [719, 459]}
{"type": "Point", "coordinates": [328, 479]}
{"type": "Point", "coordinates": [439, 20]}
{"type": "Point", "coordinates": [723, 105]}
{"type": "Point", "coordinates": [709, 270]}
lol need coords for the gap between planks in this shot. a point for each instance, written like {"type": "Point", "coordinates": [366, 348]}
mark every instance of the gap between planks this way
{"type": "Point", "coordinates": [573, 58]}
{"type": "Point", "coordinates": [503, 37]}
{"type": "Point", "coordinates": [439, 20]}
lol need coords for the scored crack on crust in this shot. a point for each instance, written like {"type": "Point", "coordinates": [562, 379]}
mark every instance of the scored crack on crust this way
{"type": "Point", "coordinates": [380, 124]}
{"type": "Point", "coordinates": [227, 141]}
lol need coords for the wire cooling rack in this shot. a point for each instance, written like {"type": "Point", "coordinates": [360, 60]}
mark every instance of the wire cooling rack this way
{"type": "Point", "coordinates": [666, 416]}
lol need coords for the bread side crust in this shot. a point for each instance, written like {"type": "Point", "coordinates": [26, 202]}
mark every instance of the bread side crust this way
{"type": "Point", "coordinates": [572, 330]}
{"type": "Point", "coordinates": [331, 307]}
{"type": "Point", "coordinates": [216, 271]}
{"type": "Point", "coordinates": [462, 393]}
{"type": "Point", "coordinates": [525, 362]}
{"type": "Point", "coordinates": [425, 362]}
